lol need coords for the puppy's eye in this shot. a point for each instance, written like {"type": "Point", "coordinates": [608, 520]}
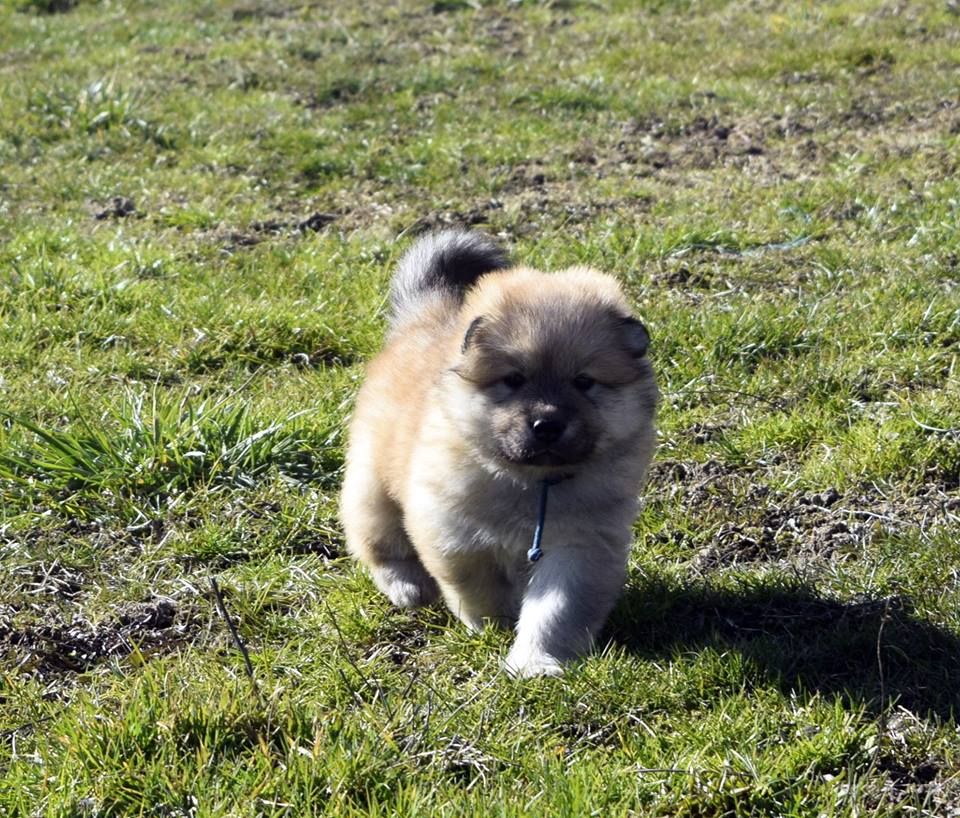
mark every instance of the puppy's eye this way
{"type": "Point", "coordinates": [583, 382]}
{"type": "Point", "coordinates": [514, 380]}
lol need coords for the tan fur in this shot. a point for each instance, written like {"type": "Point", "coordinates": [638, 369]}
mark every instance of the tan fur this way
{"type": "Point", "coordinates": [442, 484]}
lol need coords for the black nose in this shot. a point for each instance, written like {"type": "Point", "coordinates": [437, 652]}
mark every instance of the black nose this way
{"type": "Point", "coordinates": [547, 430]}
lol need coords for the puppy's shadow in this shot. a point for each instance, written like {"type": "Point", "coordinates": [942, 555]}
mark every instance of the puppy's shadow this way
{"type": "Point", "coordinates": [870, 651]}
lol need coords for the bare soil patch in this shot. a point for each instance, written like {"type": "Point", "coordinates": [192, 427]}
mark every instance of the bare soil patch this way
{"type": "Point", "coordinates": [260, 231]}
{"type": "Point", "coordinates": [746, 521]}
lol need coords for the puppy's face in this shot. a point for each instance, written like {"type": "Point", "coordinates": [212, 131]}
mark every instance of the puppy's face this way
{"type": "Point", "coordinates": [552, 376]}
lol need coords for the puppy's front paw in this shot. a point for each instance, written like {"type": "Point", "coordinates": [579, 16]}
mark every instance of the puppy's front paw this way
{"type": "Point", "coordinates": [526, 663]}
{"type": "Point", "coordinates": [406, 594]}
{"type": "Point", "coordinates": [406, 583]}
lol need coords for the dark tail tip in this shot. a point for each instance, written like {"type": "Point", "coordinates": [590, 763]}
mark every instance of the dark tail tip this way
{"type": "Point", "coordinates": [447, 263]}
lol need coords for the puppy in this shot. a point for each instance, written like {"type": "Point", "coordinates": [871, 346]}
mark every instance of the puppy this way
{"type": "Point", "coordinates": [493, 380]}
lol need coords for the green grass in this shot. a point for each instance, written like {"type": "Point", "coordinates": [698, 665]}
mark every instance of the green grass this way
{"type": "Point", "coordinates": [200, 206]}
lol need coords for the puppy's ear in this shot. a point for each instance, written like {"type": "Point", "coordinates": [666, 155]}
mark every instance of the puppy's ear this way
{"type": "Point", "coordinates": [471, 332]}
{"type": "Point", "coordinates": [636, 335]}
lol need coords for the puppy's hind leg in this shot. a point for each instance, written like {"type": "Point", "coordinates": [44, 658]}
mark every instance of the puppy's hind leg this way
{"type": "Point", "coordinates": [375, 536]}
{"type": "Point", "coordinates": [477, 591]}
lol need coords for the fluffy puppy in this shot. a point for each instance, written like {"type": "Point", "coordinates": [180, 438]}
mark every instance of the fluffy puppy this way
{"type": "Point", "coordinates": [493, 380]}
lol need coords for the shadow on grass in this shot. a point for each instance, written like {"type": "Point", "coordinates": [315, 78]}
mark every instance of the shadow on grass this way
{"type": "Point", "coordinates": [872, 651]}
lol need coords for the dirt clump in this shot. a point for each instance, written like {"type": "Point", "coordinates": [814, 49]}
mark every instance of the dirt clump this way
{"type": "Point", "coordinates": [150, 627]}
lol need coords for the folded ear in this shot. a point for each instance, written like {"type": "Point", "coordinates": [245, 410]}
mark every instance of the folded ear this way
{"type": "Point", "coordinates": [468, 336]}
{"type": "Point", "coordinates": [636, 335]}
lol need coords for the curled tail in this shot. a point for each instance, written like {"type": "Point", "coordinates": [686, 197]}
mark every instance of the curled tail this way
{"type": "Point", "coordinates": [441, 264]}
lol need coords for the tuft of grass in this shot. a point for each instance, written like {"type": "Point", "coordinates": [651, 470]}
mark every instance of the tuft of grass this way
{"type": "Point", "coordinates": [148, 451]}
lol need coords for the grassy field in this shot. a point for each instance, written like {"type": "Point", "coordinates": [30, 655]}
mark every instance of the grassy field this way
{"type": "Point", "coordinates": [200, 205]}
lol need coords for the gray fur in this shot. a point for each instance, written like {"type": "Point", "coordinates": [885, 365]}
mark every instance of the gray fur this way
{"type": "Point", "coordinates": [445, 264]}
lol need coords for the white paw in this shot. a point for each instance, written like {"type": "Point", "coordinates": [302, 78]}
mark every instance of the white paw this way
{"type": "Point", "coordinates": [406, 594]}
{"type": "Point", "coordinates": [525, 663]}
{"type": "Point", "coordinates": [406, 584]}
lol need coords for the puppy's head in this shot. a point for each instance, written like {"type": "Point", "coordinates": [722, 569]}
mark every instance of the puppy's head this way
{"type": "Point", "coordinates": [551, 373]}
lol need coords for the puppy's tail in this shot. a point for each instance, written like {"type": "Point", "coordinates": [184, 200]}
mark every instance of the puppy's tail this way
{"type": "Point", "coordinates": [441, 265]}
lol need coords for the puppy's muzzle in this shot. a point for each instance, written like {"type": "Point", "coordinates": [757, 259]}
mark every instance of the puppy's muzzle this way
{"type": "Point", "coordinates": [551, 438]}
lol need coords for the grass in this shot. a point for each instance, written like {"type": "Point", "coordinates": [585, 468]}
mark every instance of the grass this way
{"type": "Point", "coordinates": [200, 205]}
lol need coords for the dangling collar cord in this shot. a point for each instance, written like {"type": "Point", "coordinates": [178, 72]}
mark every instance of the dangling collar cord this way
{"type": "Point", "coordinates": [536, 551]}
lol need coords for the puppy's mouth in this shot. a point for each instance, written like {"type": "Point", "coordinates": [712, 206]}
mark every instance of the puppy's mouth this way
{"type": "Point", "coordinates": [543, 458]}
{"type": "Point", "coordinates": [547, 458]}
